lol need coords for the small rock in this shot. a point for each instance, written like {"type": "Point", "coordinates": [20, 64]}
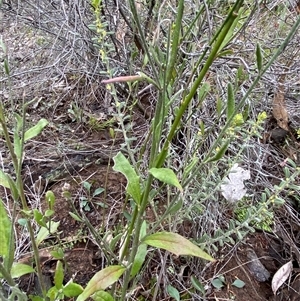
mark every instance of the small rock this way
{"type": "Point", "coordinates": [257, 269]}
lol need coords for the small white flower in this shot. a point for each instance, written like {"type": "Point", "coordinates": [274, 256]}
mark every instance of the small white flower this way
{"type": "Point", "coordinates": [233, 188]}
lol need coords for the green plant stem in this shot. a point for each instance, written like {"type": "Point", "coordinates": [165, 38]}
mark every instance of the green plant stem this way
{"type": "Point", "coordinates": [143, 40]}
{"type": "Point", "coordinates": [225, 28]}
{"type": "Point", "coordinates": [7, 138]}
{"type": "Point", "coordinates": [249, 91]}
{"type": "Point", "coordinates": [6, 275]}
{"type": "Point", "coordinates": [138, 224]}
{"type": "Point", "coordinates": [17, 166]}
{"type": "Point", "coordinates": [162, 156]}
{"type": "Point", "coordinates": [175, 42]}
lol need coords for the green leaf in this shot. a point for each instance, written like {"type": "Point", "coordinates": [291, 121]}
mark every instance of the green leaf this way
{"type": "Point", "coordinates": [141, 252]}
{"type": "Point", "coordinates": [72, 289]}
{"type": "Point", "coordinates": [173, 292]}
{"type": "Point", "coordinates": [188, 169]}
{"type": "Point", "coordinates": [36, 298]}
{"type": "Point", "coordinates": [217, 283]}
{"type": "Point", "coordinates": [49, 213]}
{"type": "Point", "coordinates": [19, 123]}
{"type": "Point", "coordinates": [219, 106]}
{"type": "Point", "coordinates": [6, 67]}
{"type": "Point", "coordinates": [76, 217]}
{"type": "Point", "coordinates": [166, 175]}
{"type": "Point", "coordinates": [39, 218]}
{"type": "Point", "coordinates": [205, 88]}
{"type": "Point", "coordinates": [238, 283]}
{"type": "Point", "coordinates": [175, 244]}
{"type": "Point", "coordinates": [17, 146]}
{"type": "Point", "coordinates": [22, 222]}
{"type": "Point", "coordinates": [13, 188]}
{"type": "Point", "coordinates": [230, 101]}
{"type": "Point", "coordinates": [87, 186]}
{"type": "Point", "coordinates": [102, 296]}
{"type": "Point", "coordinates": [50, 199]}
{"type": "Point", "coordinates": [230, 32]}
{"type": "Point", "coordinates": [35, 130]}
{"type": "Point", "coordinates": [53, 294]}
{"type": "Point", "coordinates": [133, 180]}
{"type": "Point", "coordinates": [59, 275]}
{"type": "Point", "coordinates": [175, 208]}
{"type": "Point", "coordinates": [57, 253]}
{"type": "Point", "coordinates": [219, 154]}
{"type": "Point", "coordinates": [20, 269]}
{"type": "Point", "coordinates": [44, 233]}
{"type": "Point", "coordinates": [197, 285]}
{"type": "Point", "coordinates": [259, 58]}
{"type": "Point", "coordinates": [4, 179]}
{"type": "Point", "coordinates": [101, 281]}
{"type": "Point", "coordinates": [98, 191]}
{"type": "Point", "coordinates": [5, 231]}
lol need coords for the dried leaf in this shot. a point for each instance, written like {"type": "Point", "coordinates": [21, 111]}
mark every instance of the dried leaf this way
{"type": "Point", "coordinates": [279, 109]}
{"type": "Point", "coordinates": [281, 276]}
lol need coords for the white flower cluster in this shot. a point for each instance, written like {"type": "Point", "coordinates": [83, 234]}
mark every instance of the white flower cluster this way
{"type": "Point", "coordinates": [233, 188]}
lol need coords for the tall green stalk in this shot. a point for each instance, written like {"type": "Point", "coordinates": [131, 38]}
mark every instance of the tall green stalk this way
{"type": "Point", "coordinates": [137, 221]}
{"type": "Point", "coordinates": [215, 48]}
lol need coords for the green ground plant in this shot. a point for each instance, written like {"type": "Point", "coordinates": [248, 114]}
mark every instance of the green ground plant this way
{"type": "Point", "coordinates": [164, 67]}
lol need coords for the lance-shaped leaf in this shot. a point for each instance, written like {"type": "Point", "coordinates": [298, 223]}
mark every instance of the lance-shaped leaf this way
{"type": "Point", "coordinates": [220, 153]}
{"type": "Point", "coordinates": [230, 101]}
{"type": "Point", "coordinates": [59, 275]}
{"type": "Point", "coordinates": [259, 58]}
{"type": "Point", "coordinates": [175, 244]}
{"type": "Point", "coordinates": [141, 253]}
{"type": "Point", "coordinates": [166, 175]}
{"type": "Point", "coordinates": [101, 281]}
{"type": "Point", "coordinates": [5, 229]}
{"type": "Point", "coordinates": [133, 180]}
{"type": "Point", "coordinates": [281, 276]}
{"type": "Point", "coordinates": [35, 130]}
